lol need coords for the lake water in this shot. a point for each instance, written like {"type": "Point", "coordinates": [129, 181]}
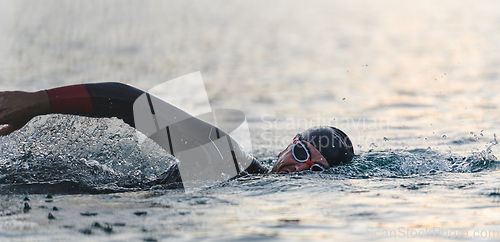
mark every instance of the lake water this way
{"type": "Point", "coordinates": [414, 84]}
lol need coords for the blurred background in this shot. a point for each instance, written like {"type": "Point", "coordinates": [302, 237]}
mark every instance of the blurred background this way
{"type": "Point", "coordinates": [419, 74]}
{"type": "Point", "coordinates": [413, 83]}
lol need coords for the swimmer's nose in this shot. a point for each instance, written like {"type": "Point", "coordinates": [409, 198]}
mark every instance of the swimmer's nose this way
{"type": "Point", "coordinates": [301, 167]}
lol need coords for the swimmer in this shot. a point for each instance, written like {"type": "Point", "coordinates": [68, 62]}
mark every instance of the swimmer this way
{"type": "Point", "coordinates": [316, 149]}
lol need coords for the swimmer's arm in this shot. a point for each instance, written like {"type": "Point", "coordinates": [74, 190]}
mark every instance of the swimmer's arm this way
{"type": "Point", "coordinates": [100, 100]}
{"type": "Point", "coordinates": [256, 168]}
{"type": "Point", "coordinates": [91, 100]}
{"type": "Point", "coordinates": [18, 108]}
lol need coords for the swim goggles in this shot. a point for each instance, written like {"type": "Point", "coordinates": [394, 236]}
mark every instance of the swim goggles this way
{"type": "Point", "coordinates": [301, 154]}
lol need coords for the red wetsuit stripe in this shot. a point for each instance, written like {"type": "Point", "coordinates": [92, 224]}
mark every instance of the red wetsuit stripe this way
{"type": "Point", "coordinates": [70, 100]}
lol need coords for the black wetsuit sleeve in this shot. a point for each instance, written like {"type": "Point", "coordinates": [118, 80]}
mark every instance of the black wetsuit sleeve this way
{"type": "Point", "coordinates": [256, 168]}
{"type": "Point", "coordinates": [114, 100]}
{"type": "Point", "coordinates": [109, 99]}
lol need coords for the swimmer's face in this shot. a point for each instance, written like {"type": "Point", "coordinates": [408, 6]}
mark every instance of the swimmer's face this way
{"type": "Point", "coordinates": [286, 162]}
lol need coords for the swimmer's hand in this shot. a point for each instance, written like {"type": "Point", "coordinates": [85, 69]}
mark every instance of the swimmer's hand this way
{"type": "Point", "coordinates": [18, 108]}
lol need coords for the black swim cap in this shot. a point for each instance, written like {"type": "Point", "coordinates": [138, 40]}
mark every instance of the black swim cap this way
{"type": "Point", "coordinates": [331, 142]}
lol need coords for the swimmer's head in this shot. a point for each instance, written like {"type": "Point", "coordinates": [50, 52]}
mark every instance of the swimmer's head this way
{"type": "Point", "coordinates": [331, 142]}
{"type": "Point", "coordinates": [327, 147]}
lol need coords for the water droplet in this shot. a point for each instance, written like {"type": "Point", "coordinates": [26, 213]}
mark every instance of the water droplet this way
{"type": "Point", "coordinates": [359, 146]}
{"type": "Point", "coordinates": [343, 98]}
{"type": "Point", "coordinates": [429, 148]}
{"type": "Point", "coordinates": [444, 136]}
{"type": "Point", "coordinates": [471, 133]}
{"type": "Point", "coordinates": [373, 145]}
{"type": "Point", "coordinates": [386, 139]}
{"type": "Point", "coordinates": [225, 176]}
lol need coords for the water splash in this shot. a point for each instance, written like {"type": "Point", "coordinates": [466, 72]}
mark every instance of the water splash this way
{"type": "Point", "coordinates": [86, 151]}
{"type": "Point", "coordinates": [104, 155]}
{"type": "Point", "coordinates": [404, 163]}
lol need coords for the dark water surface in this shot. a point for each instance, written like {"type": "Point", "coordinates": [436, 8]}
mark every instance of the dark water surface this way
{"type": "Point", "coordinates": [413, 84]}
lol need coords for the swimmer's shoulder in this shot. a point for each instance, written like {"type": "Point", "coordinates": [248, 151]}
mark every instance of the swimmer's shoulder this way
{"type": "Point", "coordinates": [256, 168]}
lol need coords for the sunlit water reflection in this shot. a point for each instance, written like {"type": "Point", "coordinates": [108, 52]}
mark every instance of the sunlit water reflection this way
{"type": "Point", "coordinates": [413, 84]}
